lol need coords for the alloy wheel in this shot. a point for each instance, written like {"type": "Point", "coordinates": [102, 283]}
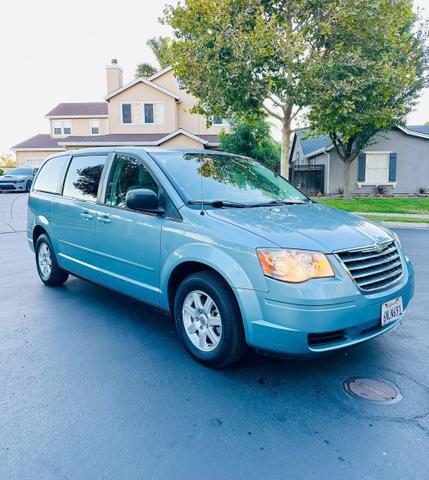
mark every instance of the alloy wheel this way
{"type": "Point", "coordinates": [202, 320]}
{"type": "Point", "coordinates": [44, 259]}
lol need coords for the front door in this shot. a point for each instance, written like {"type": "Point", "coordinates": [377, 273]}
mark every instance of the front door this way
{"type": "Point", "coordinates": [128, 242]}
{"type": "Point", "coordinates": [74, 215]}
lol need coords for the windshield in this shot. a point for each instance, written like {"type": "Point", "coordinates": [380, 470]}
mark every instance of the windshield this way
{"type": "Point", "coordinates": [20, 171]}
{"type": "Point", "coordinates": [225, 178]}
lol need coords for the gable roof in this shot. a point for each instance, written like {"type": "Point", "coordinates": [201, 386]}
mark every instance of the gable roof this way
{"type": "Point", "coordinates": [79, 109]}
{"type": "Point", "coordinates": [160, 73]}
{"type": "Point", "coordinates": [146, 82]}
{"type": "Point", "coordinates": [322, 143]}
{"type": "Point", "coordinates": [138, 139]}
{"type": "Point", "coordinates": [41, 141]}
{"type": "Point", "coordinates": [49, 143]}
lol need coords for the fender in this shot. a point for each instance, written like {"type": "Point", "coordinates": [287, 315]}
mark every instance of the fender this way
{"type": "Point", "coordinates": [213, 257]}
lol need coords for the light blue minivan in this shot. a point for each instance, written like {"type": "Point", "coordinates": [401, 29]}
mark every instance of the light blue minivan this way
{"type": "Point", "coordinates": [231, 250]}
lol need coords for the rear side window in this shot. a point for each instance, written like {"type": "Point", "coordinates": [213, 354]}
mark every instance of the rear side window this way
{"type": "Point", "coordinates": [83, 177]}
{"type": "Point", "coordinates": [49, 176]}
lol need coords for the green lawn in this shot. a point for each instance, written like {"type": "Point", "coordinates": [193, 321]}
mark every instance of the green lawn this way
{"type": "Point", "coordinates": [389, 218]}
{"type": "Point", "coordinates": [381, 205]}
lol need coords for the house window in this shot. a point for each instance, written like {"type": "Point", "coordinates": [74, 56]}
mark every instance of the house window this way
{"type": "Point", "coordinates": [143, 113]}
{"type": "Point", "coordinates": [61, 127]}
{"type": "Point", "coordinates": [219, 121]}
{"type": "Point", "coordinates": [377, 167]}
{"type": "Point", "coordinates": [94, 126]}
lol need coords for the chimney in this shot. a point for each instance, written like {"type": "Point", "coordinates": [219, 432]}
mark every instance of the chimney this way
{"type": "Point", "coordinates": [113, 76]}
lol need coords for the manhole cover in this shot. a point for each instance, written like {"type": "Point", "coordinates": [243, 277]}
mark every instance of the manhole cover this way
{"type": "Point", "coordinates": [372, 389]}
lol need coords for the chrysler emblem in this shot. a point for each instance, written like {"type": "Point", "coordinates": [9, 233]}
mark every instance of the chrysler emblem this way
{"type": "Point", "coordinates": [378, 247]}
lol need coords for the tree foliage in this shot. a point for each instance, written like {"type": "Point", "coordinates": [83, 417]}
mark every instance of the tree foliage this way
{"type": "Point", "coordinates": [144, 70]}
{"type": "Point", "coordinates": [7, 160]}
{"type": "Point", "coordinates": [161, 48]}
{"type": "Point", "coordinates": [370, 79]}
{"type": "Point", "coordinates": [356, 65]}
{"type": "Point", "coordinates": [252, 140]}
{"type": "Point", "coordinates": [241, 57]}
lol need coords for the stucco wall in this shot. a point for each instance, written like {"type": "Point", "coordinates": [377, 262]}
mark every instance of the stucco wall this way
{"type": "Point", "coordinates": [142, 93]}
{"type": "Point", "coordinates": [181, 141]}
{"type": "Point", "coordinates": [34, 156]}
{"type": "Point", "coordinates": [412, 170]}
{"type": "Point", "coordinates": [81, 126]}
{"type": "Point", "coordinates": [188, 121]}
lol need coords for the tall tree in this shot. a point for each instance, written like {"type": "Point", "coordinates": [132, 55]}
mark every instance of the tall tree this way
{"type": "Point", "coordinates": [144, 70]}
{"type": "Point", "coordinates": [252, 140]}
{"type": "Point", "coordinates": [161, 48]}
{"type": "Point", "coordinates": [371, 76]}
{"type": "Point", "coordinates": [241, 57]}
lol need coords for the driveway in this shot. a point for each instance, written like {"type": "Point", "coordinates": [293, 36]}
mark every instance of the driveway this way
{"type": "Point", "coordinates": [96, 386]}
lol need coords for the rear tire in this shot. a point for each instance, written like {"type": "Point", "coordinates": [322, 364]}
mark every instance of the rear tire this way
{"type": "Point", "coordinates": [47, 266]}
{"type": "Point", "coordinates": [208, 320]}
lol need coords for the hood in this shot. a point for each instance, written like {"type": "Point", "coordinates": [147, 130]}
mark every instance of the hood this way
{"type": "Point", "coordinates": [13, 177]}
{"type": "Point", "coordinates": [308, 226]}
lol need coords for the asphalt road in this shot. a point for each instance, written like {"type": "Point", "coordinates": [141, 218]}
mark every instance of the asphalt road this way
{"type": "Point", "coordinates": [96, 386]}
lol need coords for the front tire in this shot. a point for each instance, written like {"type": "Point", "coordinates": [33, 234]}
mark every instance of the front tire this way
{"type": "Point", "coordinates": [208, 320]}
{"type": "Point", "coordinates": [28, 186]}
{"type": "Point", "coordinates": [47, 266]}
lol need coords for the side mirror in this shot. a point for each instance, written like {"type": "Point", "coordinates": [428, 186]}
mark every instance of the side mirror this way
{"type": "Point", "coordinates": [144, 200]}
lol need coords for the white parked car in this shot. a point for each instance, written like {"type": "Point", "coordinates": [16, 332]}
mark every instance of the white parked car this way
{"type": "Point", "coordinates": [18, 179]}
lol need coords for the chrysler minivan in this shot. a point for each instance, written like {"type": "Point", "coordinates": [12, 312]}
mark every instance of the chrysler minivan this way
{"type": "Point", "coordinates": [230, 249]}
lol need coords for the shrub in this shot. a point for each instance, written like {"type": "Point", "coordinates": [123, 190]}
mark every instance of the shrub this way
{"type": "Point", "coordinates": [422, 190]}
{"type": "Point", "coordinates": [380, 189]}
{"type": "Point", "coordinates": [1, 172]}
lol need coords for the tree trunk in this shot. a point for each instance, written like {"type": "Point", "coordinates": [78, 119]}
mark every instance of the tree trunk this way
{"type": "Point", "coordinates": [347, 163]}
{"type": "Point", "coordinates": [286, 134]}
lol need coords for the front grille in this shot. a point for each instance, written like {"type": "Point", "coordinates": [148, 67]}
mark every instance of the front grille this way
{"type": "Point", "coordinates": [7, 187]}
{"type": "Point", "coordinates": [373, 268]}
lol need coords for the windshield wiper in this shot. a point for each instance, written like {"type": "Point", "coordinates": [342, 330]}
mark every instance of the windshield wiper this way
{"type": "Point", "coordinates": [219, 204]}
{"type": "Point", "coordinates": [289, 202]}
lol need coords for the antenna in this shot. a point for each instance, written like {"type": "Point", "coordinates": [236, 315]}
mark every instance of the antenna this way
{"type": "Point", "coordinates": [202, 197]}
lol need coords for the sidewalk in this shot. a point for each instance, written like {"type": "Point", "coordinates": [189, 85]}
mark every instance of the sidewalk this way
{"type": "Point", "coordinates": [404, 215]}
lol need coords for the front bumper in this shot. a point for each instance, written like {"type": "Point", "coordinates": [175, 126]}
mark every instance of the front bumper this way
{"type": "Point", "coordinates": [319, 315]}
{"type": "Point", "coordinates": [12, 187]}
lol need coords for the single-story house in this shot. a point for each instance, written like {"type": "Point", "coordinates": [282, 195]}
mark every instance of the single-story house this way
{"type": "Point", "coordinates": [397, 160]}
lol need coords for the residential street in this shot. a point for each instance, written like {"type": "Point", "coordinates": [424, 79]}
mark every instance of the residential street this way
{"type": "Point", "coordinates": [96, 386]}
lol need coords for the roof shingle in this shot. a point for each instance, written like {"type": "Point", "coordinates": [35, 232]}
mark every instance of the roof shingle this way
{"type": "Point", "coordinates": [42, 140]}
{"type": "Point", "coordinates": [76, 109]}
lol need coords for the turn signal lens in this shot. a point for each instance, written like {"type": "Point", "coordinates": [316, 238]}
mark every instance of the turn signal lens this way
{"type": "Point", "coordinates": [294, 266]}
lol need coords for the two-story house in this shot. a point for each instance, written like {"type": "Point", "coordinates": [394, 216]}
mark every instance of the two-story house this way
{"type": "Point", "coordinates": [151, 111]}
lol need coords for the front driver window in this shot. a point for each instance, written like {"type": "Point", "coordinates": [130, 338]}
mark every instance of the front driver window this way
{"type": "Point", "coordinates": [128, 174]}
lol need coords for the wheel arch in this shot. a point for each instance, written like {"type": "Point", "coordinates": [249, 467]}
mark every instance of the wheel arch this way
{"type": "Point", "coordinates": [183, 270]}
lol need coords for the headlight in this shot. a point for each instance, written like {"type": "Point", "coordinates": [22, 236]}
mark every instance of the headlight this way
{"type": "Point", "coordinates": [20, 181]}
{"type": "Point", "coordinates": [294, 265]}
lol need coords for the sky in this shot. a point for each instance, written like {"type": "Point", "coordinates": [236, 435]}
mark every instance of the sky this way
{"type": "Point", "coordinates": [52, 52]}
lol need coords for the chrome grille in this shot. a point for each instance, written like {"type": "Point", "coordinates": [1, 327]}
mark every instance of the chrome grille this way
{"type": "Point", "coordinates": [373, 268]}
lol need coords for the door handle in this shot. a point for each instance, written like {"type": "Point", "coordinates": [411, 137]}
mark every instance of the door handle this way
{"type": "Point", "coordinates": [104, 218]}
{"type": "Point", "coordinates": [87, 215]}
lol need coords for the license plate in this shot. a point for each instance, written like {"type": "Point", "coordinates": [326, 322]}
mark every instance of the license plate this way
{"type": "Point", "coordinates": [391, 311]}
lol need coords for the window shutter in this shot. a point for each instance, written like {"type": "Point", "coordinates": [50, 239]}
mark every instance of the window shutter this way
{"type": "Point", "coordinates": [392, 167]}
{"type": "Point", "coordinates": [158, 112]}
{"type": "Point", "coordinates": [361, 167]}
